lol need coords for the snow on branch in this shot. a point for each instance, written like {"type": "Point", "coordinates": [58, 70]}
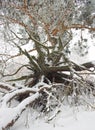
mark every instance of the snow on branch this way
{"type": "Point", "coordinates": [8, 97]}
{"type": "Point", "coordinates": [10, 115]}
{"type": "Point", "coordinates": [6, 87]}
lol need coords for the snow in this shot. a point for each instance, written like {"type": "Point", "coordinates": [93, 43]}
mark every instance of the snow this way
{"type": "Point", "coordinates": [92, 53]}
{"type": "Point", "coordinates": [70, 118]}
{"type": "Point", "coordinates": [90, 56]}
{"type": "Point", "coordinates": [6, 112]}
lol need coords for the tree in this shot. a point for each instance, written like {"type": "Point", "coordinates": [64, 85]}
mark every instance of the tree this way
{"type": "Point", "coordinates": [48, 24]}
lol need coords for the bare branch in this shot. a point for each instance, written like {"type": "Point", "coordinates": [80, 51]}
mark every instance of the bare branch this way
{"type": "Point", "coordinates": [16, 71]}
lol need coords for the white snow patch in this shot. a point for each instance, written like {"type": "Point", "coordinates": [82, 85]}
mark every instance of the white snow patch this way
{"type": "Point", "coordinates": [68, 119]}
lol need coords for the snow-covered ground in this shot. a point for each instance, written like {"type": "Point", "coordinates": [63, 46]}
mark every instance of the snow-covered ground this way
{"type": "Point", "coordinates": [71, 118]}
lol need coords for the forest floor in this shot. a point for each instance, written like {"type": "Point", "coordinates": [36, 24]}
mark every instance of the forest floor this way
{"type": "Point", "coordinates": [70, 118]}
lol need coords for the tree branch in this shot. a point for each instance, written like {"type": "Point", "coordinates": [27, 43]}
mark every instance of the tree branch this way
{"type": "Point", "coordinates": [6, 86]}
{"type": "Point", "coordinates": [76, 67]}
{"type": "Point", "coordinates": [16, 112]}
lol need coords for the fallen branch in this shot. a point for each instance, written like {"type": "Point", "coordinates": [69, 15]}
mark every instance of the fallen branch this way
{"type": "Point", "coordinates": [10, 115]}
{"type": "Point", "coordinates": [76, 67]}
{"type": "Point", "coordinates": [13, 114]}
{"type": "Point", "coordinates": [6, 87]}
{"type": "Point", "coordinates": [9, 96]}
